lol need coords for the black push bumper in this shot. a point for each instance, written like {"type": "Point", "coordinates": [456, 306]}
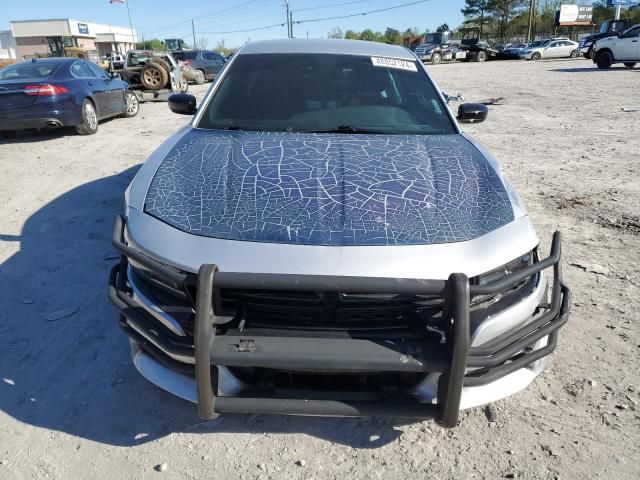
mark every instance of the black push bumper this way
{"type": "Point", "coordinates": [458, 364]}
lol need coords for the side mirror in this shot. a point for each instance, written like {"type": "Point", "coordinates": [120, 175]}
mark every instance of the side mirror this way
{"type": "Point", "coordinates": [115, 75]}
{"type": "Point", "coordinates": [182, 103]}
{"type": "Point", "coordinates": [472, 113]}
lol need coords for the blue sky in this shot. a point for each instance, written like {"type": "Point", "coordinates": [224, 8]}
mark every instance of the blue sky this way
{"type": "Point", "coordinates": [162, 19]}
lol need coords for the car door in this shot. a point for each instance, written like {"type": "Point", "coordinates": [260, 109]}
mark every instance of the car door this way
{"type": "Point", "coordinates": [569, 47]}
{"type": "Point", "coordinates": [552, 50]}
{"type": "Point", "coordinates": [114, 89]}
{"type": "Point", "coordinates": [627, 47]}
{"type": "Point", "coordinates": [206, 59]}
{"type": "Point", "coordinates": [99, 90]}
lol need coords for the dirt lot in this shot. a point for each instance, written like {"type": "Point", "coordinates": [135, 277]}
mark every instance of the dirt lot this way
{"type": "Point", "coordinates": [73, 406]}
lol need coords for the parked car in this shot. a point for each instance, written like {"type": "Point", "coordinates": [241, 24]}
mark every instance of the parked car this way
{"type": "Point", "coordinates": [59, 92]}
{"type": "Point", "coordinates": [323, 239]}
{"type": "Point", "coordinates": [624, 48]}
{"type": "Point", "coordinates": [207, 63]}
{"type": "Point", "coordinates": [554, 48]}
{"type": "Point", "coordinates": [512, 51]}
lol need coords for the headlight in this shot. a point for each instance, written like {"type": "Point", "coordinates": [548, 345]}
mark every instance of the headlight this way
{"type": "Point", "coordinates": [505, 270]}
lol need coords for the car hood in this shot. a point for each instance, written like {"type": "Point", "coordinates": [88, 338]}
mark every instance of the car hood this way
{"type": "Point", "coordinates": [328, 189]}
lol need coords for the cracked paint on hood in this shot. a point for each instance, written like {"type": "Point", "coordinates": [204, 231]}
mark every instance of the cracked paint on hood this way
{"type": "Point", "coordinates": [328, 189]}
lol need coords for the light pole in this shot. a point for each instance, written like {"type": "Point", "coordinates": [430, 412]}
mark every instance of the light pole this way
{"type": "Point", "coordinates": [286, 3]}
{"type": "Point", "coordinates": [532, 7]}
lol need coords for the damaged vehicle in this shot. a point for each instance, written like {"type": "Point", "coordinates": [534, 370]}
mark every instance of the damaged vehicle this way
{"type": "Point", "coordinates": [323, 239]}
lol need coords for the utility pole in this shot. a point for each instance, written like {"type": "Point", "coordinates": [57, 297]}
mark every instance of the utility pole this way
{"type": "Point", "coordinates": [133, 36]}
{"type": "Point", "coordinates": [291, 22]}
{"type": "Point", "coordinates": [532, 7]}
{"type": "Point", "coordinates": [618, 11]}
{"type": "Point", "coordinates": [286, 2]}
{"type": "Point", "coordinates": [193, 30]}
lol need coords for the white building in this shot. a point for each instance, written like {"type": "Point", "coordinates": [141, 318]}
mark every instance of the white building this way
{"type": "Point", "coordinates": [44, 37]}
{"type": "Point", "coordinates": [7, 45]}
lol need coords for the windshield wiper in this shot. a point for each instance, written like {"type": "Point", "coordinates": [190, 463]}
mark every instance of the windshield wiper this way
{"type": "Point", "coordinates": [341, 129]}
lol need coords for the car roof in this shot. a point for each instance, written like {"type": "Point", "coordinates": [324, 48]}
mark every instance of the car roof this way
{"type": "Point", "coordinates": [51, 59]}
{"type": "Point", "coordinates": [330, 46]}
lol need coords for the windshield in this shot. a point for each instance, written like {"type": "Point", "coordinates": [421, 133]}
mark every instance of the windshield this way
{"type": "Point", "coordinates": [38, 69]}
{"type": "Point", "coordinates": [604, 28]}
{"type": "Point", "coordinates": [433, 38]}
{"type": "Point", "coordinates": [326, 92]}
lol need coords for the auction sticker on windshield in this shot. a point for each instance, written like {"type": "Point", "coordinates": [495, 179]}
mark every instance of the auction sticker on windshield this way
{"type": "Point", "coordinates": [394, 63]}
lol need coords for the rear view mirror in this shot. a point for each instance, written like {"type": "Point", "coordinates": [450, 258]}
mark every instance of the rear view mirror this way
{"type": "Point", "coordinates": [472, 113]}
{"type": "Point", "coordinates": [182, 103]}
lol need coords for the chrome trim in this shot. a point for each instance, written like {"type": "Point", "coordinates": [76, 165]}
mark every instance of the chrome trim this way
{"type": "Point", "coordinates": [179, 358]}
{"type": "Point", "coordinates": [151, 307]}
{"type": "Point", "coordinates": [515, 316]}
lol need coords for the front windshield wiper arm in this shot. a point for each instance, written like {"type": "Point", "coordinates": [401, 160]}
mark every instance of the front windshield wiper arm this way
{"type": "Point", "coordinates": [340, 129]}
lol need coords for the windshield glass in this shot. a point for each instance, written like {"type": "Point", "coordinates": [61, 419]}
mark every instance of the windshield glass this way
{"type": "Point", "coordinates": [326, 92]}
{"type": "Point", "coordinates": [604, 28]}
{"type": "Point", "coordinates": [38, 69]}
{"type": "Point", "coordinates": [433, 38]}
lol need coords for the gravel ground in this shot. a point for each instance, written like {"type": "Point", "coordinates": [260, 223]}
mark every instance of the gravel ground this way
{"type": "Point", "coordinates": [73, 406]}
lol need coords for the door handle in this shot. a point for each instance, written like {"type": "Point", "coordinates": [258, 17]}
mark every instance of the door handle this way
{"type": "Point", "coordinates": [634, 41]}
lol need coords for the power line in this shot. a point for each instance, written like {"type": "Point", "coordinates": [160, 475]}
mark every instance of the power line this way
{"type": "Point", "coordinates": [361, 13]}
{"type": "Point", "coordinates": [309, 20]}
{"type": "Point", "coordinates": [159, 29]}
{"type": "Point", "coordinates": [332, 5]}
{"type": "Point", "coordinates": [266, 27]}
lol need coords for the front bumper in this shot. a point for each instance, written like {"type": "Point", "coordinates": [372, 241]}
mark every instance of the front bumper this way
{"type": "Point", "coordinates": [450, 366]}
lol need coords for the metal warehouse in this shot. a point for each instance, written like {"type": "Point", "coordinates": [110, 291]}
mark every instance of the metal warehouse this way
{"type": "Point", "coordinates": [52, 36]}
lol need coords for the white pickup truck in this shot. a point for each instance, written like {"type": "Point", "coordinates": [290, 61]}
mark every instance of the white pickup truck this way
{"type": "Point", "coordinates": [624, 48]}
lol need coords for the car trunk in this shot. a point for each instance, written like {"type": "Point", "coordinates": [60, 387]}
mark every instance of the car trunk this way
{"type": "Point", "coordinates": [13, 96]}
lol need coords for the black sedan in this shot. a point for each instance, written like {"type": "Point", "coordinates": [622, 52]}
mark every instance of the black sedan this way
{"type": "Point", "coordinates": [51, 93]}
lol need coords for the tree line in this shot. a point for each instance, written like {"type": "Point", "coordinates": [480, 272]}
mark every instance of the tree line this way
{"type": "Point", "coordinates": [496, 19]}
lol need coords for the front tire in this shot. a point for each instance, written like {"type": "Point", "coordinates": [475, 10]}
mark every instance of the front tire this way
{"type": "Point", "coordinates": [89, 124]}
{"type": "Point", "coordinates": [604, 60]}
{"type": "Point", "coordinates": [482, 56]}
{"type": "Point", "coordinates": [132, 105]}
{"type": "Point", "coordinates": [200, 77]}
{"type": "Point", "coordinates": [630, 64]}
{"type": "Point", "coordinates": [536, 56]}
{"type": "Point", "coordinates": [574, 54]}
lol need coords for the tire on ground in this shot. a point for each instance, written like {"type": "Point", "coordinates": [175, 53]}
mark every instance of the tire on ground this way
{"type": "Point", "coordinates": [629, 64]}
{"type": "Point", "coordinates": [89, 118]}
{"type": "Point", "coordinates": [604, 60]}
{"type": "Point", "coordinates": [482, 56]}
{"type": "Point", "coordinates": [153, 76]}
{"type": "Point", "coordinates": [132, 105]}
{"type": "Point", "coordinates": [200, 77]}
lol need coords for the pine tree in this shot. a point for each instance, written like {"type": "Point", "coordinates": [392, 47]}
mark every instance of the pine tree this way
{"type": "Point", "coordinates": [478, 11]}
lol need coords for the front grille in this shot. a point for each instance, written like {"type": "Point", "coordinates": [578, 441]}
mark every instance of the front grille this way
{"type": "Point", "coordinates": [324, 311]}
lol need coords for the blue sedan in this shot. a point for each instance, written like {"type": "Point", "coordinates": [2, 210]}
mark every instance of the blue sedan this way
{"type": "Point", "coordinates": [57, 92]}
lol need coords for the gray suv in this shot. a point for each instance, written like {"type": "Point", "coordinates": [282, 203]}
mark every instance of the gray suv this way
{"type": "Point", "coordinates": [206, 63]}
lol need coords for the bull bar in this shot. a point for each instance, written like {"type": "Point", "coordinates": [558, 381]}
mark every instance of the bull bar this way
{"type": "Point", "coordinates": [459, 364]}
